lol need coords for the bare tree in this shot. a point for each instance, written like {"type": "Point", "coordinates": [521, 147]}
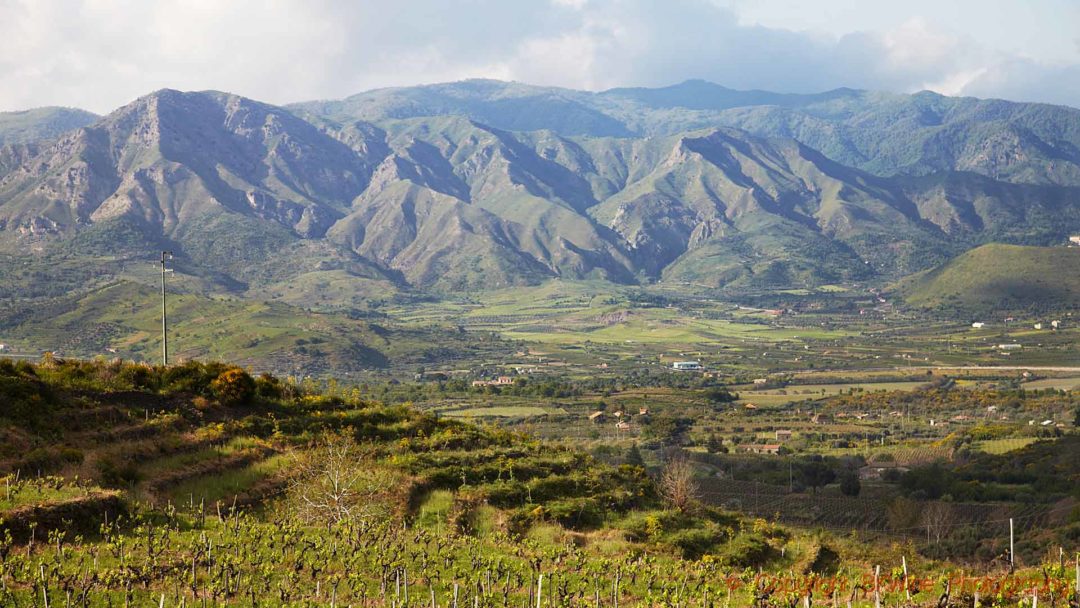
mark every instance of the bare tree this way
{"type": "Point", "coordinates": [677, 483]}
{"type": "Point", "coordinates": [902, 513]}
{"type": "Point", "coordinates": [938, 517]}
{"type": "Point", "coordinates": [336, 481]}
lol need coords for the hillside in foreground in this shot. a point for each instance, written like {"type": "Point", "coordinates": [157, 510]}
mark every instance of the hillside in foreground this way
{"type": "Point", "coordinates": [1001, 277]}
{"type": "Point", "coordinates": [197, 484]}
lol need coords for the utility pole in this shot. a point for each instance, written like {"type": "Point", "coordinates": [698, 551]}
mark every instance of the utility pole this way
{"type": "Point", "coordinates": [165, 256]}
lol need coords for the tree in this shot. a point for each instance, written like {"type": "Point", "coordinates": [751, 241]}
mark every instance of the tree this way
{"type": "Point", "coordinates": [667, 428]}
{"type": "Point", "coordinates": [817, 474]}
{"type": "Point", "coordinates": [714, 445]}
{"type": "Point", "coordinates": [902, 513]}
{"type": "Point", "coordinates": [849, 484]}
{"type": "Point", "coordinates": [633, 457]}
{"type": "Point", "coordinates": [938, 517]}
{"type": "Point", "coordinates": [335, 482]}
{"type": "Point", "coordinates": [677, 484]}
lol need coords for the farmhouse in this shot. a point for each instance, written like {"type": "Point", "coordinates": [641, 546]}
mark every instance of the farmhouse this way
{"type": "Point", "coordinates": [1012, 346]}
{"type": "Point", "coordinates": [686, 365]}
{"type": "Point", "coordinates": [783, 435]}
{"type": "Point", "coordinates": [878, 470]}
{"type": "Point", "coordinates": [1074, 240]}
{"type": "Point", "coordinates": [768, 448]}
{"type": "Point", "coordinates": [978, 325]}
{"type": "Point", "coordinates": [761, 380]}
{"type": "Point", "coordinates": [622, 425]}
{"type": "Point", "coordinates": [500, 381]}
{"type": "Point", "coordinates": [821, 419]}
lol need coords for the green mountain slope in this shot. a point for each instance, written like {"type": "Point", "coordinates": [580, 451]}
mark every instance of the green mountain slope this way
{"type": "Point", "coordinates": [41, 123]}
{"type": "Point", "coordinates": [123, 319]}
{"type": "Point", "coordinates": [485, 185]}
{"type": "Point", "coordinates": [1000, 277]}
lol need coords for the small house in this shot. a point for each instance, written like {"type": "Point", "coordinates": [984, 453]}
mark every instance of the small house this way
{"type": "Point", "coordinates": [597, 417]}
{"type": "Point", "coordinates": [821, 419]}
{"type": "Point", "coordinates": [761, 380]}
{"type": "Point", "coordinates": [978, 325]}
{"type": "Point", "coordinates": [783, 435]}
{"type": "Point", "coordinates": [643, 411]}
{"type": "Point", "coordinates": [622, 425]}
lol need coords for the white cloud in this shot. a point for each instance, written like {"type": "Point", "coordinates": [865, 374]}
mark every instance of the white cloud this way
{"type": "Point", "coordinates": [99, 54]}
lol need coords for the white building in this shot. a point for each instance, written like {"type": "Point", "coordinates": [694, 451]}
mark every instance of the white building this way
{"type": "Point", "coordinates": [686, 365]}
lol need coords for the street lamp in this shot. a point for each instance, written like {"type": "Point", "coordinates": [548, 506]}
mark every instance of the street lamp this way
{"type": "Point", "coordinates": [165, 256]}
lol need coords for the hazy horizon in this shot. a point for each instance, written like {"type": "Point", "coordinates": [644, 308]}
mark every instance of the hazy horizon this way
{"type": "Point", "coordinates": [100, 54]}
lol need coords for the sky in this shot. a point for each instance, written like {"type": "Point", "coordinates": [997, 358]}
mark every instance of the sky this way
{"type": "Point", "coordinates": [101, 54]}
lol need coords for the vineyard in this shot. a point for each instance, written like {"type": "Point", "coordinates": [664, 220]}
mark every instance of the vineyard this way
{"type": "Point", "coordinates": [867, 515]}
{"type": "Point", "coordinates": [165, 557]}
{"type": "Point", "coordinates": [198, 485]}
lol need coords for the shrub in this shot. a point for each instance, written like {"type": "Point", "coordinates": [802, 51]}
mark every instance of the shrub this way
{"type": "Point", "coordinates": [746, 551]}
{"type": "Point", "coordinates": [117, 473]}
{"type": "Point", "coordinates": [233, 387]}
{"type": "Point", "coordinates": [139, 377]}
{"type": "Point", "coordinates": [693, 543]}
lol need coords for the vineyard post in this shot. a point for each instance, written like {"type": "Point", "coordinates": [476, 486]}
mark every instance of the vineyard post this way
{"type": "Point", "coordinates": [877, 589]}
{"type": "Point", "coordinates": [903, 561]}
{"type": "Point", "coordinates": [1078, 577]}
{"type": "Point", "coordinates": [539, 590]}
{"type": "Point", "coordinates": [1012, 548]}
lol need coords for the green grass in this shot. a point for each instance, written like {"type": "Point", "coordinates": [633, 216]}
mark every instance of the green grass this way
{"type": "Point", "coordinates": [226, 485]}
{"type": "Point", "coordinates": [18, 494]}
{"type": "Point", "coordinates": [999, 277]}
{"type": "Point", "coordinates": [434, 510]}
{"type": "Point", "coordinates": [1004, 445]}
{"type": "Point", "coordinates": [510, 411]}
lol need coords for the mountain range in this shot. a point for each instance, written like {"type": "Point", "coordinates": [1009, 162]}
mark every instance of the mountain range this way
{"type": "Point", "coordinates": [486, 184]}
